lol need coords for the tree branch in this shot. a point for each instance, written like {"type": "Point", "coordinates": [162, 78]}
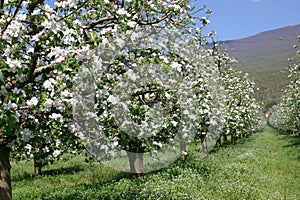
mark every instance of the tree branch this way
{"type": "Point", "coordinates": [92, 24]}
{"type": "Point", "coordinates": [37, 71]}
{"type": "Point", "coordinates": [30, 74]}
{"type": "Point", "coordinates": [160, 19]}
{"type": "Point", "coordinates": [143, 92]}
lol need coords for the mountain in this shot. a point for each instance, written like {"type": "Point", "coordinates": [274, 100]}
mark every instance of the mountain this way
{"type": "Point", "coordinates": [264, 56]}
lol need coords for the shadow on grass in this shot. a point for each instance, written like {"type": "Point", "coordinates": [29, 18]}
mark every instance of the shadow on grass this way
{"type": "Point", "coordinates": [293, 139]}
{"type": "Point", "coordinates": [105, 181]}
{"type": "Point", "coordinates": [294, 142]}
{"type": "Point", "coordinates": [104, 187]}
{"type": "Point", "coordinates": [25, 176]}
{"type": "Point", "coordinates": [86, 191]}
{"type": "Point", "coordinates": [52, 172]}
{"type": "Point", "coordinates": [64, 170]}
{"type": "Point", "coordinates": [293, 146]}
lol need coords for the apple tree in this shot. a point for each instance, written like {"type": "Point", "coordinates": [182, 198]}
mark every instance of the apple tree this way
{"type": "Point", "coordinates": [42, 46]}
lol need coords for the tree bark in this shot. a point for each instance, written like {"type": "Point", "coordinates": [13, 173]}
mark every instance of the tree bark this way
{"type": "Point", "coordinates": [5, 177]}
{"type": "Point", "coordinates": [218, 142]}
{"type": "Point", "coordinates": [136, 164]}
{"type": "Point", "coordinates": [119, 153]}
{"type": "Point", "coordinates": [225, 139]}
{"type": "Point", "coordinates": [182, 148]}
{"type": "Point", "coordinates": [233, 138]}
{"type": "Point", "coordinates": [204, 144]}
{"type": "Point", "coordinates": [37, 168]}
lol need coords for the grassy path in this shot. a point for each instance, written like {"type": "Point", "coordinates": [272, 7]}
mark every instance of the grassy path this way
{"type": "Point", "coordinates": [278, 158]}
{"type": "Point", "coordinates": [263, 166]}
{"type": "Point", "coordinates": [268, 161]}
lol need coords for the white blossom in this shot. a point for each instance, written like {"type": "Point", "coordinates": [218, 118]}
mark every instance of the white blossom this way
{"type": "Point", "coordinates": [113, 99]}
{"type": "Point", "coordinates": [176, 65]}
{"type": "Point", "coordinates": [9, 106]}
{"type": "Point", "coordinates": [56, 153]}
{"type": "Point", "coordinates": [122, 12]}
{"type": "Point", "coordinates": [32, 102]}
{"type": "Point", "coordinates": [49, 84]}
{"type": "Point", "coordinates": [56, 116]}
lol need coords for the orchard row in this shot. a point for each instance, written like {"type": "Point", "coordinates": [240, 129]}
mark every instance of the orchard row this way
{"type": "Point", "coordinates": [98, 76]}
{"type": "Point", "coordinates": [286, 115]}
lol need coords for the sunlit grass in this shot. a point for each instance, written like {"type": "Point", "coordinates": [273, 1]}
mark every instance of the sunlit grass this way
{"type": "Point", "coordinates": [263, 166]}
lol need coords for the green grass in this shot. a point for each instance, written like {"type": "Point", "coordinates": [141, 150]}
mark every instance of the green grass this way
{"type": "Point", "coordinates": [263, 166]}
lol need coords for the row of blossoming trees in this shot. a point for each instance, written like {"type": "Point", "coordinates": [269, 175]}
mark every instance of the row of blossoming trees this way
{"type": "Point", "coordinates": [99, 75]}
{"type": "Point", "coordinates": [286, 115]}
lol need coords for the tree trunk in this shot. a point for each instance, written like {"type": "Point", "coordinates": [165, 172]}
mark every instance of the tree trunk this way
{"type": "Point", "coordinates": [182, 148]}
{"type": "Point", "coordinates": [5, 178]}
{"type": "Point", "coordinates": [225, 139]}
{"type": "Point", "coordinates": [119, 153]}
{"type": "Point", "coordinates": [204, 145]}
{"type": "Point", "coordinates": [243, 135]}
{"type": "Point", "coordinates": [136, 164]}
{"type": "Point", "coordinates": [233, 139]}
{"type": "Point", "coordinates": [37, 168]}
{"type": "Point", "coordinates": [218, 142]}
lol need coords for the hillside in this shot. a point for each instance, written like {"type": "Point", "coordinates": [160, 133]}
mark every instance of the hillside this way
{"type": "Point", "coordinates": [264, 56]}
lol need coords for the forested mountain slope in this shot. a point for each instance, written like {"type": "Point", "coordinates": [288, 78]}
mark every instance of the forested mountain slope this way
{"type": "Point", "coordinates": [264, 56]}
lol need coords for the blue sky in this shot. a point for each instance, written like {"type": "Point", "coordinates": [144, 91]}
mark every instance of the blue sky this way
{"type": "Point", "coordinates": [234, 19]}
